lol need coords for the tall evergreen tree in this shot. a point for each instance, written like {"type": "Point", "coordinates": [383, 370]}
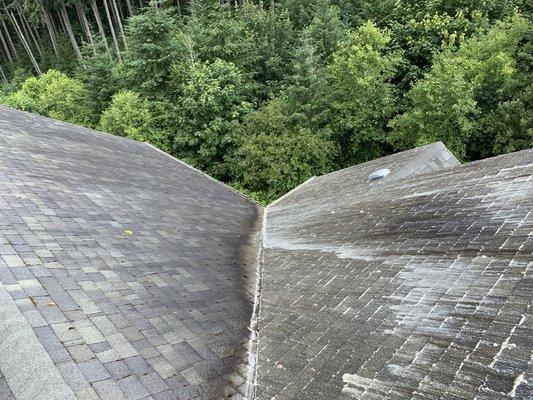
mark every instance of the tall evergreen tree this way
{"type": "Point", "coordinates": [151, 51]}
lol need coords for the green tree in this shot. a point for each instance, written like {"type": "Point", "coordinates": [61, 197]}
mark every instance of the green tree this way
{"type": "Point", "coordinates": [364, 96]}
{"type": "Point", "coordinates": [325, 32]}
{"type": "Point", "coordinates": [494, 9]}
{"type": "Point", "coordinates": [510, 125]}
{"type": "Point", "coordinates": [461, 88]}
{"type": "Point", "coordinates": [97, 75]}
{"type": "Point", "coordinates": [273, 155]}
{"type": "Point", "coordinates": [65, 60]}
{"type": "Point", "coordinates": [424, 37]}
{"type": "Point", "coordinates": [53, 94]}
{"type": "Point", "coordinates": [274, 40]}
{"type": "Point", "coordinates": [151, 51]}
{"type": "Point", "coordinates": [128, 115]}
{"type": "Point", "coordinates": [18, 77]}
{"type": "Point", "coordinates": [218, 32]}
{"type": "Point", "coordinates": [302, 12]}
{"type": "Point", "coordinates": [357, 12]}
{"type": "Point", "coordinates": [215, 97]}
{"type": "Point", "coordinates": [308, 97]}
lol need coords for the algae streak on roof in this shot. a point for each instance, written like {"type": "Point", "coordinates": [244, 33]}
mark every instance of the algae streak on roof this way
{"type": "Point", "coordinates": [417, 285]}
{"type": "Point", "coordinates": [127, 274]}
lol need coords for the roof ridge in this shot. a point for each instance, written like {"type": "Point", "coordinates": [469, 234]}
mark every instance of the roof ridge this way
{"type": "Point", "coordinates": [418, 148]}
{"type": "Point", "coordinates": [290, 192]}
{"type": "Point", "coordinates": [410, 166]}
{"type": "Point", "coordinates": [111, 135]}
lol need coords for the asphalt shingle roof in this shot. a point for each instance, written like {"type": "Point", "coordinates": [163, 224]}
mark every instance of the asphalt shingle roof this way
{"type": "Point", "coordinates": [415, 286]}
{"type": "Point", "coordinates": [125, 273]}
{"type": "Point", "coordinates": [133, 270]}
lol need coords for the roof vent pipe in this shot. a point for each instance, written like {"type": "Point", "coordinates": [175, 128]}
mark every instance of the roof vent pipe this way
{"type": "Point", "coordinates": [380, 173]}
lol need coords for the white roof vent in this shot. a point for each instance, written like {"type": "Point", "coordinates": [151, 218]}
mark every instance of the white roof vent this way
{"type": "Point", "coordinates": [380, 173]}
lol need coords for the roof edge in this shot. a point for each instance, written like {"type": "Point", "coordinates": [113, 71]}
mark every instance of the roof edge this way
{"type": "Point", "coordinates": [419, 149]}
{"type": "Point", "coordinates": [290, 192]}
{"type": "Point", "coordinates": [203, 173]}
{"type": "Point", "coordinates": [438, 144]}
{"type": "Point", "coordinates": [136, 141]}
{"type": "Point", "coordinates": [27, 367]}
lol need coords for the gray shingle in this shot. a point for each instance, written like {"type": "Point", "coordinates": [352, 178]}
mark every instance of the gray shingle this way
{"type": "Point", "coordinates": [416, 285]}
{"type": "Point", "coordinates": [109, 389]}
{"type": "Point", "coordinates": [71, 197]}
{"type": "Point", "coordinates": [133, 388]}
{"type": "Point", "coordinates": [411, 286]}
{"type": "Point", "coordinates": [93, 370]}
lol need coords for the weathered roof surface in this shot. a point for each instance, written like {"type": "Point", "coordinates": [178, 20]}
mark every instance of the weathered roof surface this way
{"type": "Point", "coordinates": [123, 273]}
{"type": "Point", "coordinates": [414, 286]}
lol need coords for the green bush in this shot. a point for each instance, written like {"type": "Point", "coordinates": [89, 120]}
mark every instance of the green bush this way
{"type": "Point", "coordinates": [466, 89]}
{"type": "Point", "coordinates": [274, 156]}
{"type": "Point", "coordinates": [128, 115]}
{"type": "Point", "coordinates": [53, 94]}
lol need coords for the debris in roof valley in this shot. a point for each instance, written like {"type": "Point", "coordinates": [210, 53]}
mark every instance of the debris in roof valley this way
{"type": "Point", "coordinates": [125, 274]}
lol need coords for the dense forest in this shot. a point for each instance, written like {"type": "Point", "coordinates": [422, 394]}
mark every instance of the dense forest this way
{"type": "Point", "coordinates": [262, 95]}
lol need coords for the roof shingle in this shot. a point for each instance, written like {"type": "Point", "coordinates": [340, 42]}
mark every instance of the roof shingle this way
{"type": "Point", "coordinates": [116, 253]}
{"type": "Point", "coordinates": [129, 274]}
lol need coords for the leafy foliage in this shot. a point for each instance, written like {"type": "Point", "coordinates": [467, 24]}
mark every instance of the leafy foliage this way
{"type": "Point", "coordinates": [151, 51]}
{"type": "Point", "coordinates": [213, 102]}
{"type": "Point", "coordinates": [97, 76]}
{"type": "Point", "coordinates": [219, 32]}
{"type": "Point", "coordinates": [128, 115]}
{"type": "Point", "coordinates": [266, 94]}
{"type": "Point", "coordinates": [53, 94]}
{"type": "Point", "coordinates": [273, 156]}
{"type": "Point", "coordinates": [464, 86]}
{"type": "Point", "coordinates": [364, 97]}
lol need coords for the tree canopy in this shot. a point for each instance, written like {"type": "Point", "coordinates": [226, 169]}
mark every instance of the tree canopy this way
{"type": "Point", "coordinates": [264, 95]}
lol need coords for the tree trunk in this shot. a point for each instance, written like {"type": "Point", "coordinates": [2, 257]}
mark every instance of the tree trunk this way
{"type": "Point", "coordinates": [271, 8]}
{"type": "Point", "coordinates": [100, 26]}
{"type": "Point", "coordinates": [119, 22]}
{"type": "Point", "coordinates": [128, 6]}
{"type": "Point", "coordinates": [29, 30]}
{"type": "Point", "coordinates": [120, 11]}
{"type": "Point", "coordinates": [26, 28]}
{"type": "Point", "coordinates": [22, 25]}
{"type": "Point", "coordinates": [68, 27]}
{"type": "Point", "coordinates": [5, 46]}
{"type": "Point", "coordinates": [3, 55]}
{"type": "Point", "coordinates": [53, 23]}
{"type": "Point", "coordinates": [10, 41]}
{"type": "Point", "coordinates": [112, 29]}
{"type": "Point", "coordinates": [37, 35]}
{"type": "Point", "coordinates": [4, 78]}
{"type": "Point", "coordinates": [85, 25]}
{"type": "Point", "coordinates": [62, 23]}
{"type": "Point", "coordinates": [51, 31]}
{"type": "Point", "coordinates": [24, 43]}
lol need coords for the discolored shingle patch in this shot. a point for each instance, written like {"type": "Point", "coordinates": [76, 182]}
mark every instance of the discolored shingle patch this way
{"type": "Point", "coordinates": [417, 285]}
{"type": "Point", "coordinates": [126, 274]}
